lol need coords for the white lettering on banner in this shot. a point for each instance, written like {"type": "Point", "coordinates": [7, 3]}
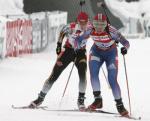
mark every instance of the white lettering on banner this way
{"type": "Point", "coordinates": [18, 37]}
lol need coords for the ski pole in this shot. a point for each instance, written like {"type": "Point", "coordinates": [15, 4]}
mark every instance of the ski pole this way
{"type": "Point", "coordinates": [67, 81]}
{"type": "Point", "coordinates": [102, 4]}
{"type": "Point", "coordinates": [69, 78]}
{"type": "Point", "coordinates": [127, 84]}
{"type": "Point", "coordinates": [106, 78]}
{"type": "Point", "coordinates": [82, 2]}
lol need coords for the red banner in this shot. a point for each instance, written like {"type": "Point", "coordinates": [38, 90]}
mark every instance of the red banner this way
{"type": "Point", "coordinates": [18, 37]}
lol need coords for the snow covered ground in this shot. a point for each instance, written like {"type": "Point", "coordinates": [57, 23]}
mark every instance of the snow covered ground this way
{"type": "Point", "coordinates": [22, 78]}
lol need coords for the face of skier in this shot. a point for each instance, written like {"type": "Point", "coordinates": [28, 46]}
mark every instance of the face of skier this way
{"type": "Point", "coordinates": [82, 20]}
{"type": "Point", "coordinates": [99, 25]}
{"type": "Point", "coordinates": [83, 24]}
{"type": "Point", "coordinates": [99, 22]}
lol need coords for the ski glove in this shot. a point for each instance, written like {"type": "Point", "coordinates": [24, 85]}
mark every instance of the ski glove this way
{"type": "Point", "coordinates": [123, 51]}
{"type": "Point", "coordinates": [58, 49]}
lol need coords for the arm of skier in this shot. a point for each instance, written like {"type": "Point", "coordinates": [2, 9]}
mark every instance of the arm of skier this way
{"type": "Point", "coordinates": [125, 44]}
{"type": "Point", "coordinates": [85, 35]}
{"type": "Point", "coordinates": [63, 32]}
{"type": "Point", "coordinates": [118, 37]}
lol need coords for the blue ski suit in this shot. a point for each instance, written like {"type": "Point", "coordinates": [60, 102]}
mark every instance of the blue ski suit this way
{"type": "Point", "coordinates": [103, 50]}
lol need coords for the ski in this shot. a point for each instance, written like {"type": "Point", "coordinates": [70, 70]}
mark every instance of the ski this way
{"type": "Point", "coordinates": [77, 110]}
{"type": "Point", "coordinates": [93, 111]}
{"type": "Point", "coordinates": [100, 111]}
{"type": "Point", "coordinates": [27, 107]}
{"type": "Point", "coordinates": [130, 117]}
{"type": "Point", "coordinates": [115, 114]}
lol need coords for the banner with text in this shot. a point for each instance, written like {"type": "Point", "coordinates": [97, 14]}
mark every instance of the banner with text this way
{"type": "Point", "coordinates": [18, 37]}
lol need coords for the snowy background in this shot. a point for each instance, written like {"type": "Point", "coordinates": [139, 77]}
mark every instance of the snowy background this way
{"type": "Point", "coordinates": [21, 79]}
{"type": "Point", "coordinates": [11, 7]}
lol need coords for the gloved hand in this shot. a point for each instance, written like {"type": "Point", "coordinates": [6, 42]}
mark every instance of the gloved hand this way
{"type": "Point", "coordinates": [123, 51]}
{"type": "Point", "coordinates": [58, 48]}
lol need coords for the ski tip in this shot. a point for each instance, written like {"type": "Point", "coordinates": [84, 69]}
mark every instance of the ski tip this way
{"type": "Point", "coordinates": [135, 118]}
{"type": "Point", "coordinates": [131, 117]}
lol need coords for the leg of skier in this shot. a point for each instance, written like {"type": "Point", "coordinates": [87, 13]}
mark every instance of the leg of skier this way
{"type": "Point", "coordinates": [95, 62]}
{"type": "Point", "coordinates": [81, 64]}
{"type": "Point", "coordinates": [112, 68]}
{"type": "Point", "coordinates": [62, 62]}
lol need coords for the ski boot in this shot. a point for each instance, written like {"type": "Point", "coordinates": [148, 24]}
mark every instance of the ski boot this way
{"type": "Point", "coordinates": [98, 102]}
{"type": "Point", "coordinates": [38, 101]}
{"type": "Point", "coordinates": [120, 108]}
{"type": "Point", "coordinates": [80, 102]}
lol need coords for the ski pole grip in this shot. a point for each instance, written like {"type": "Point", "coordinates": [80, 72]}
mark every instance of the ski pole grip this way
{"type": "Point", "coordinates": [82, 2]}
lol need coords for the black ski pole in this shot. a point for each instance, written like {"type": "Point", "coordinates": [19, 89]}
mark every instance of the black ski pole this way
{"type": "Point", "coordinates": [69, 77]}
{"type": "Point", "coordinates": [82, 2]}
{"type": "Point", "coordinates": [102, 4]}
{"type": "Point", "coordinates": [67, 82]}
